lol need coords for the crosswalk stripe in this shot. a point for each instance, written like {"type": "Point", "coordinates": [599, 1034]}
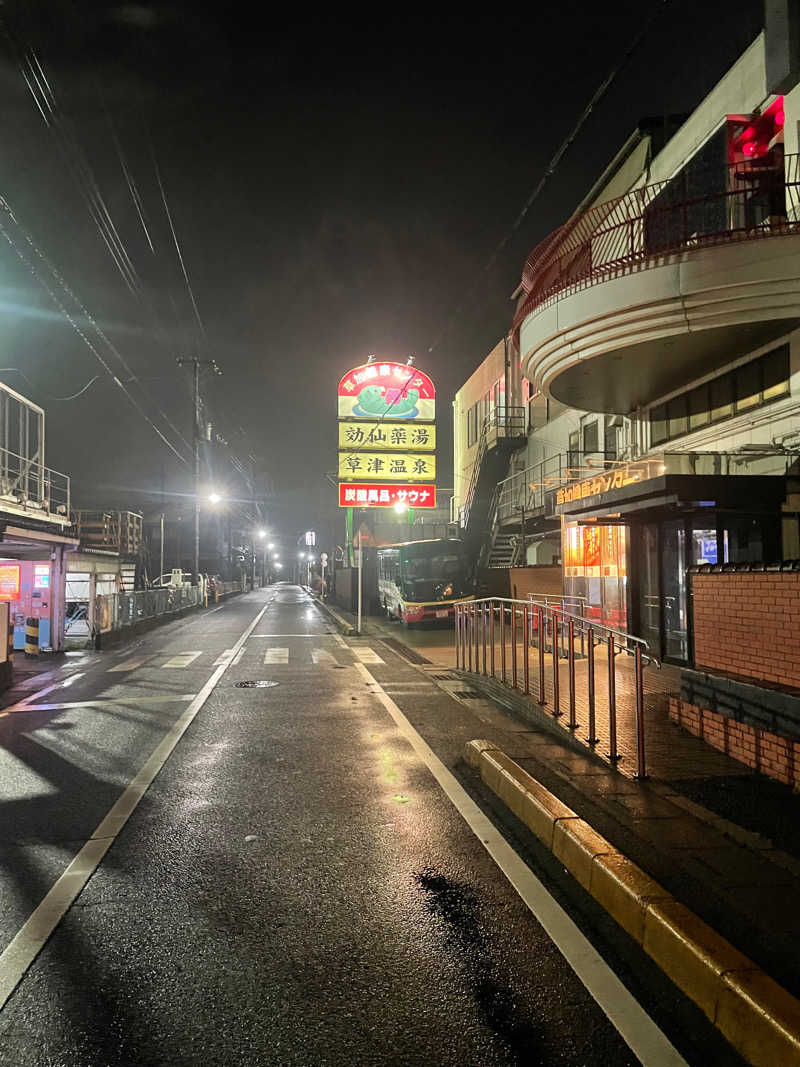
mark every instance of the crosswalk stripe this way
{"type": "Point", "coordinates": [183, 659]}
{"type": "Point", "coordinates": [129, 665]}
{"type": "Point", "coordinates": [224, 657]}
{"type": "Point", "coordinates": [276, 655]}
{"type": "Point", "coordinates": [320, 655]}
{"type": "Point", "coordinates": [367, 655]}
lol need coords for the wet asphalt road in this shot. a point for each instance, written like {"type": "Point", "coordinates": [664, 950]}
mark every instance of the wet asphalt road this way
{"type": "Point", "coordinates": [294, 888]}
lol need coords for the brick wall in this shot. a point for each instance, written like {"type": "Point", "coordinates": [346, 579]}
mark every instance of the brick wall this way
{"type": "Point", "coordinates": [749, 624]}
{"type": "Point", "coordinates": [768, 753]}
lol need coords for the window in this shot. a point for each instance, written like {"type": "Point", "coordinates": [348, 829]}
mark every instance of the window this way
{"type": "Point", "coordinates": [747, 380]}
{"type": "Point", "coordinates": [758, 382]}
{"type": "Point", "coordinates": [699, 407]}
{"type": "Point", "coordinates": [590, 437]}
{"type": "Point", "coordinates": [658, 424]}
{"type": "Point", "coordinates": [610, 438]}
{"type": "Point", "coordinates": [677, 421]}
{"type": "Point", "coordinates": [41, 576]}
{"type": "Point", "coordinates": [722, 397]}
{"type": "Point", "coordinates": [472, 425]}
{"type": "Point", "coordinates": [573, 459]}
{"type": "Point", "coordinates": [775, 366]}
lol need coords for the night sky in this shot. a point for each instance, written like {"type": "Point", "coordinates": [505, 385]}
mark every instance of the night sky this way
{"type": "Point", "coordinates": [337, 186]}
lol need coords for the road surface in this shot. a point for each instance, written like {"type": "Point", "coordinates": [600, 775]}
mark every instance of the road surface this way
{"type": "Point", "coordinates": [302, 882]}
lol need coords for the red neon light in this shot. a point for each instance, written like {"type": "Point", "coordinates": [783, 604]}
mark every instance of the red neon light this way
{"type": "Point", "coordinates": [749, 148]}
{"type": "Point", "coordinates": [379, 495]}
{"type": "Point", "coordinates": [780, 117]}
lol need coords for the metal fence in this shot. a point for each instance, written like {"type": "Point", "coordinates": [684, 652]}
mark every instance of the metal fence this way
{"type": "Point", "coordinates": [619, 236]}
{"type": "Point", "coordinates": [499, 638]}
{"type": "Point", "coordinates": [117, 611]}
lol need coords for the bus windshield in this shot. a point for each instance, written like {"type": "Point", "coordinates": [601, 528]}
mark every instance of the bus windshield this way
{"type": "Point", "coordinates": [442, 565]}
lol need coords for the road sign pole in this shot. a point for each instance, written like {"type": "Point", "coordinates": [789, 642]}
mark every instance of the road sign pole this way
{"type": "Point", "coordinates": [360, 570]}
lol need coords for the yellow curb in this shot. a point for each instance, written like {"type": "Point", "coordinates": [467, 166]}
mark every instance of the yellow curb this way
{"type": "Point", "coordinates": [530, 801]}
{"type": "Point", "coordinates": [760, 1019]}
{"type": "Point", "coordinates": [576, 844]}
{"type": "Point", "coordinates": [756, 1015]}
{"type": "Point", "coordinates": [345, 627]}
{"type": "Point", "coordinates": [693, 955]}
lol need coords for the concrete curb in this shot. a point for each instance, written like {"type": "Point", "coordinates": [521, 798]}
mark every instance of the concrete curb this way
{"type": "Point", "coordinates": [344, 626]}
{"type": "Point", "coordinates": [756, 1015]}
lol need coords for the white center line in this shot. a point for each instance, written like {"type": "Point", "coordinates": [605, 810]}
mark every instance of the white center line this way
{"type": "Point", "coordinates": [625, 1013]}
{"type": "Point", "coordinates": [224, 658]}
{"type": "Point", "coordinates": [276, 655]}
{"type": "Point", "coordinates": [183, 659]}
{"type": "Point", "coordinates": [29, 940]}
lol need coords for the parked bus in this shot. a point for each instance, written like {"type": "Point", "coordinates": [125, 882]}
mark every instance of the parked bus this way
{"type": "Point", "coordinates": [420, 581]}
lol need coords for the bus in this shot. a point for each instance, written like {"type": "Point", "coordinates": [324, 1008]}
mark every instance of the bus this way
{"type": "Point", "coordinates": [421, 581]}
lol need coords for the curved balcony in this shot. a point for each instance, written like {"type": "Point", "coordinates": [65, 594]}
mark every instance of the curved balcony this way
{"type": "Point", "coordinates": [635, 297]}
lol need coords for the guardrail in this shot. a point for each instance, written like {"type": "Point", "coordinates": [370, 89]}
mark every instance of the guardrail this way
{"type": "Point", "coordinates": [497, 628]}
{"type": "Point", "coordinates": [31, 487]}
{"type": "Point", "coordinates": [118, 611]}
{"type": "Point", "coordinates": [620, 235]}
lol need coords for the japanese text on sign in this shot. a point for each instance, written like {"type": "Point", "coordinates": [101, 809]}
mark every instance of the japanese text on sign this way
{"type": "Point", "coordinates": [394, 435]}
{"type": "Point", "coordinates": [9, 581]}
{"type": "Point", "coordinates": [404, 466]}
{"type": "Point", "coordinates": [394, 390]}
{"type": "Point", "coordinates": [386, 496]}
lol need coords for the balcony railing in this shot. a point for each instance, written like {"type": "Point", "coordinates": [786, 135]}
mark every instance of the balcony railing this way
{"type": "Point", "coordinates": [29, 488]}
{"type": "Point", "coordinates": [639, 228]}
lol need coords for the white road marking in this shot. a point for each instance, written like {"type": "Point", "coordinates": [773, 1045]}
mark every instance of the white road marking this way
{"type": "Point", "coordinates": [276, 655]}
{"type": "Point", "coordinates": [129, 665]}
{"type": "Point", "coordinates": [320, 655]}
{"type": "Point", "coordinates": [135, 701]}
{"type": "Point", "coordinates": [315, 637]}
{"type": "Point", "coordinates": [625, 1013]}
{"type": "Point", "coordinates": [33, 934]}
{"type": "Point", "coordinates": [340, 641]}
{"type": "Point", "coordinates": [183, 659]}
{"type": "Point", "coordinates": [224, 658]}
{"type": "Point", "coordinates": [237, 658]}
{"type": "Point", "coordinates": [64, 684]}
{"type": "Point", "coordinates": [367, 655]}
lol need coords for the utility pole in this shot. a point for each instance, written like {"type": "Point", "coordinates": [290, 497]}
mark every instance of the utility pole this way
{"type": "Point", "coordinates": [196, 437]}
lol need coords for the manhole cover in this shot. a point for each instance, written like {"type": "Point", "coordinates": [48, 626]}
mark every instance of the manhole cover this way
{"type": "Point", "coordinates": [261, 684]}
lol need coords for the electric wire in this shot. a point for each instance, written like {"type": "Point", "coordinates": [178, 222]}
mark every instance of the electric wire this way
{"type": "Point", "coordinates": [168, 213]}
{"type": "Point", "coordinates": [87, 341]}
{"type": "Point", "coordinates": [552, 166]}
{"type": "Point", "coordinates": [73, 396]}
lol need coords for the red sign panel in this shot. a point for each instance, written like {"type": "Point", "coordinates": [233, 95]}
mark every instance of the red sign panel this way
{"type": "Point", "coordinates": [355, 495]}
{"type": "Point", "coordinates": [9, 581]}
{"type": "Point", "coordinates": [393, 390]}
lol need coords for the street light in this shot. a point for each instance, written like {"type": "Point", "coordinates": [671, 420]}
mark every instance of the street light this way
{"type": "Point", "coordinates": [214, 498]}
{"type": "Point", "coordinates": [400, 506]}
{"type": "Point", "coordinates": [270, 546]}
{"type": "Point", "coordinates": [262, 533]}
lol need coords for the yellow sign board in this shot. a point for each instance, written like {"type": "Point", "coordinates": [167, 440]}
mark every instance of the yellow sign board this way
{"type": "Point", "coordinates": [382, 466]}
{"type": "Point", "coordinates": [394, 435]}
{"type": "Point", "coordinates": [604, 482]}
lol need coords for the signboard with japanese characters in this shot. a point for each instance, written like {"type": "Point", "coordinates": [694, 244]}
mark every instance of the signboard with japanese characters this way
{"type": "Point", "coordinates": [386, 436]}
{"type": "Point", "coordinates": [390, 390]}
{"type": "Point", "coordinates": [403, 466]}
{"type": "Point", "coordinates": [418, 437]}
{"type": "Point", "coordinates": [372, 495]}
{"type": "Point", "coordinates": [9, 581]}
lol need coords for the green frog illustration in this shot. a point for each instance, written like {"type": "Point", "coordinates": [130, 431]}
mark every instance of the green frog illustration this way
{"type": "Point", "coordinates": [372, 400]}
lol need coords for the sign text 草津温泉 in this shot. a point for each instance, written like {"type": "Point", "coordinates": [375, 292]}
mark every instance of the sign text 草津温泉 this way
{"type": "Point", "coordinates": [400, 466]}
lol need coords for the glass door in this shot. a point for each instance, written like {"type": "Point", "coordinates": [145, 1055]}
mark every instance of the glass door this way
{"type": "Point", "coordinates": [649, 588]}
{"type": "Point", "coordinates": [673, 590]}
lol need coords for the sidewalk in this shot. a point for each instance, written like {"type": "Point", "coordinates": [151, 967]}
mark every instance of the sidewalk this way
{"type": "Point", "coordinates": [728, 872]}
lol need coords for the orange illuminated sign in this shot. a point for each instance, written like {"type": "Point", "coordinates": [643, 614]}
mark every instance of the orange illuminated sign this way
{"type": "Point", "coordinates": [9, 581]}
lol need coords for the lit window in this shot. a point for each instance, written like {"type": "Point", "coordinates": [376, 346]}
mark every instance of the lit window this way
{"type": "Point", "coordinates": [658, 424]}
{"type": "Point", "coordinates": [748, 385]}
{"type": "Point", "coordinates": [699, 404]}
{"type": "Point", "coordinates": [722, 397]}
{"type": "Point", "coordinates": [775, 369]}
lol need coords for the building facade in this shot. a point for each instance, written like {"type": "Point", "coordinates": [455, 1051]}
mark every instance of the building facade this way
{"type": "Point", "coordinates": [658, 329]}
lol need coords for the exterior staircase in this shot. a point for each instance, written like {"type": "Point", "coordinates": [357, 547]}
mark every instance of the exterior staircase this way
{"type": "Point", "coordinates": [503, 551]}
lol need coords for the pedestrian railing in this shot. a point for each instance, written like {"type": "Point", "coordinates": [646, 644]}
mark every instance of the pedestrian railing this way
{"type": "Point", "coordinates": [118, 611]}
{"type": "Point", "coordinates": [498, 638]}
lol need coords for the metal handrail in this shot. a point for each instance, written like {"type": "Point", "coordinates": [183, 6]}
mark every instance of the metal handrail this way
{"type": "Point", "coordinates": [554, 630]}
{"type": "Point", "coordinates": [655, 220]}
{"type": "Point", "coordinates": [509, 420]}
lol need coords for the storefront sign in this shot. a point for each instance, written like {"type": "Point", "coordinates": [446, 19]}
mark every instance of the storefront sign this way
{"type": "Point", "coordinates": [9, 581]}
{"type": "Point", "coordinates": [386, 496]}
{"type": "Point", "coordinates": [381, 434]}
{"type": "Point", "coordinates": [403, 466]}
{"type": "Point", "coordinates": [603, 482]}
{"type": "Point", "coordinates": [391, 390]}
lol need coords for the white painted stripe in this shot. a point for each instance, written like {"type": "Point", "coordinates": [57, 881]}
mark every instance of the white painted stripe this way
{"type": "Point", "coordinates": [129, 665]}
{"type": "Point", "coordinates": [367, 655]}
{"type": "Point", "coordinates": [22, 704]}
{"type": "Point", "coordinates": [224, 658]}
{"type": "Point", "coordinates": [183, 659]}
{"type": "Point", "coordinates": [314, 637]}
{"type": "Point", "coordinates": [276, 655]}
{"type": "Point", "coordinates": [624, 1012]}
{"type": "Point", "coordinates": [320, 655]}
{"type": "Point", "coordinates": [340, 641]}
{"type": "Point", "coordinates": [136, 701]}
{"type": "Point", "coordinates": [32, 936]}
{"type": "Point", "coordinates": [237, 658]}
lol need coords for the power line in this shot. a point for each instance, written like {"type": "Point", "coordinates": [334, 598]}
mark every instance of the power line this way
{"type": "Point", "coordinates": [561, 151]}
{"type": "Point", "coordinates": [177, 245]}
{"type": "Point", "coordinates": [71, 320]}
